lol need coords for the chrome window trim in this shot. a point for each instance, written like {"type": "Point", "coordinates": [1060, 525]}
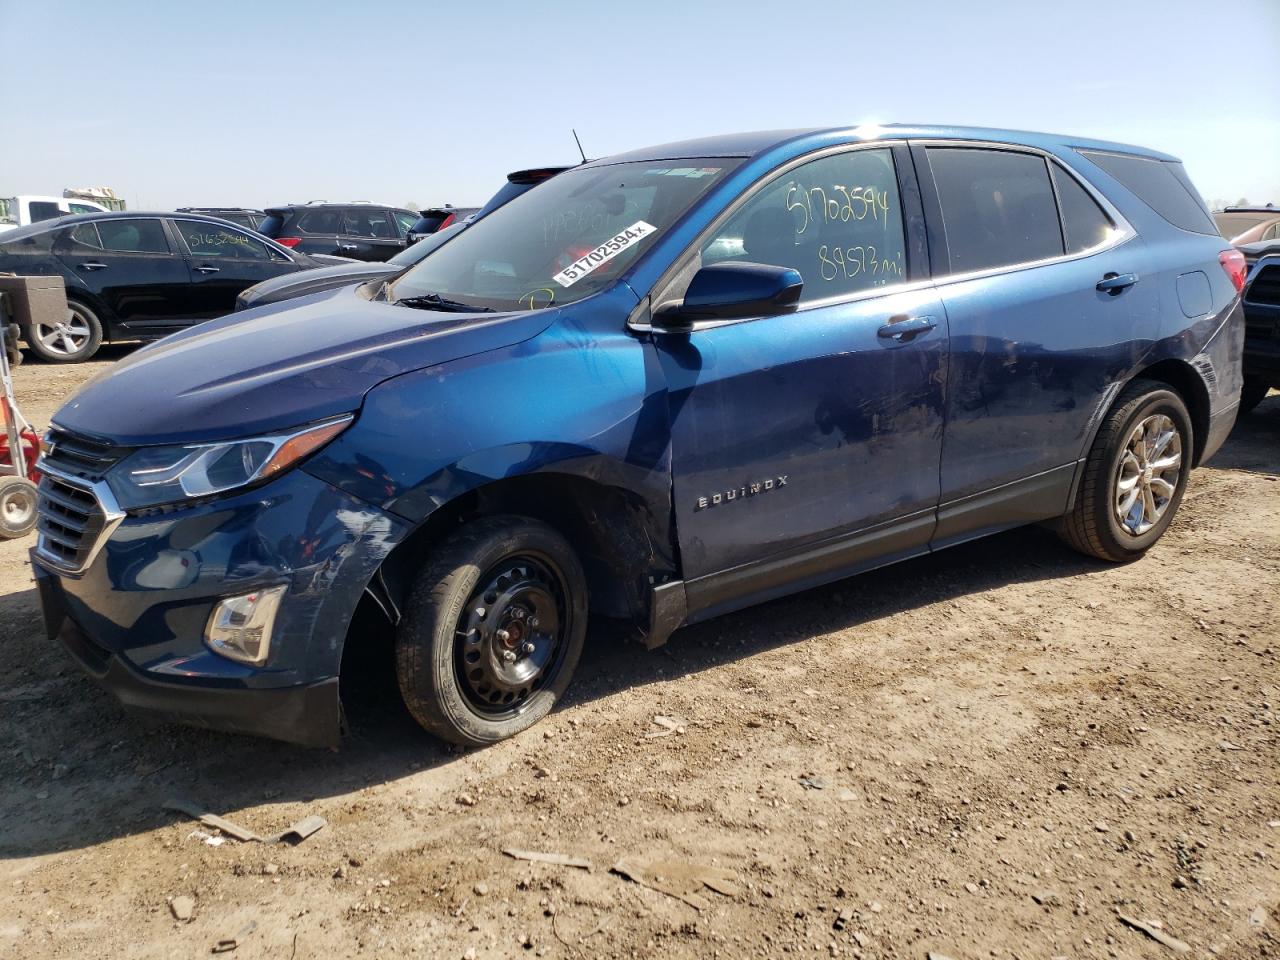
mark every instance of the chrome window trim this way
{"type": "Point", "coordinates": [112, 517]}
{"type": "Point", "coordinates": [1123, 233]}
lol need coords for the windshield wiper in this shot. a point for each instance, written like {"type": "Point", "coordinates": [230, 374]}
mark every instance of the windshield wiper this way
{"type": "Point", "coordinates": [433, 301]}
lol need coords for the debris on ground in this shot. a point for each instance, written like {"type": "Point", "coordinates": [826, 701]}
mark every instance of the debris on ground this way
{"type": "Point", "coordinates": [197, 812]}
{"type": "Point", "coordinates": [183, 908]}
{"type": "Point", "coordinates": [559, 859]}
{"type": "Point", "coordinates": [813, 782]}
{"type": "Point", "coordinates": [669, 726]}
{"type": "Point", "coordinates": [678, 879]}
{"type": "Point", "coordinates": [1156, 934]}
{"type": "Point", "coordinates": [208, 838]}
{"type": "Point", "coordinates": [300, 830]}
{"type": "Point", "coordinates": [227, 944]}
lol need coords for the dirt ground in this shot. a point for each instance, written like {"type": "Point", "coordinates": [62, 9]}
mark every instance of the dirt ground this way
{"type": "Point", "coordinates": [996, 751]}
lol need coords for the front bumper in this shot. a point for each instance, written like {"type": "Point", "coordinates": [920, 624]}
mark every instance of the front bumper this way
{"type": "Point", "coordinates": [135, 618]}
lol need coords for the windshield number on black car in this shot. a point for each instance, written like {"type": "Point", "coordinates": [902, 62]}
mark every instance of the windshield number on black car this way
{"type": "Point", "coordinates": [603, 253]}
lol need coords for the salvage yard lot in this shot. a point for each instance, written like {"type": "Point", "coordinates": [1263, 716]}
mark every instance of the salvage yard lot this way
{"type": "Point", "coordinates": [994, 751]}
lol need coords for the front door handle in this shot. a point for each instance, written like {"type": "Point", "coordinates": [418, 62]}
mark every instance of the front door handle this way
{"type": "Point", "coordinates": [93, 265]}
{"type": "Point", "coordinates": [902, 329]}
{"type": "Point", "coordinates": [205, 268]}
{"type": "Point", "coordinates": [348, 246]}
{"type": "Point", "coordinates": [1116, 283]}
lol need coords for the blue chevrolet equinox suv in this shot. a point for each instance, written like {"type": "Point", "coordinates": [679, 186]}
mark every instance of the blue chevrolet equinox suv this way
{"type": "Point", "coordinates": [663, 386]}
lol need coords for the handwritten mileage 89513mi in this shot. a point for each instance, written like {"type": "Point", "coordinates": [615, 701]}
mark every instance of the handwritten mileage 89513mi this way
{"type": "Point", "coordinates": [849, 262]}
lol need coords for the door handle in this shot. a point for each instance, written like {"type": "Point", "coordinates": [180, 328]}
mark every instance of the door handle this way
{"type": "Point", "coordinates": [205, 268]}
{"type": "Point", "coordinates": [92, 266]}
{"type": "Point", "coordinates": [1116, 283]}
{"type": "Point", "coordinates": [903, 329]}
{"type": "Point", "coordinates": [348, 246]}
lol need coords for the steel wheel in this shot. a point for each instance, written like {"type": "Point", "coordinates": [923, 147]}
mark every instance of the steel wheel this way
{"type": "Point", "coordinates": [509, 636]}
{"type": "Point", "coordinates": [68, 337]}
{"type": "Point", "coordinates": [1148, 474]}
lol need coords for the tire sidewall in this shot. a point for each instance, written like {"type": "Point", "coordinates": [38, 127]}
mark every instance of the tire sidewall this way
{"type": "Point", "coordinates": [88, 350]}
{"type": "Point", "coordinates": [11, 487]}
{"type": "Point", "coordinates": [431, 621]}
{"type": "Point", "coordinates": [1121, 541]}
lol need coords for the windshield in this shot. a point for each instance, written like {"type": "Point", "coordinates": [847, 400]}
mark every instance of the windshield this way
{"type": "Point", "coordinates": [412, 254]}
{"type": "Point", "coordinates": [568, 239]}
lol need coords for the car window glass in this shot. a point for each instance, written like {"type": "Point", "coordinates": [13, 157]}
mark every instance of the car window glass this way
{"type": "Point", "coordinates": [82, 208]}
{"type": "Point", "coordinates": [43, 210]}
{"type": "Point", "coordinates": [210, 240]}
{"type": "Point", "coordinates": [319, 221]}
{"type": "Point", "coordinates": [133, 236]}
{"type": "Point", "coordinates": [1083, 221]}
{"type": "Point", "coordinates": [997, 207]}
{"type": "Point", "coordinates": [836, 220]}
{"type": "Point", "coordinates": [406, 220]}
{"type": "Point", "coordinates": [1273, 232]}
{"type": "Point", "coordinates": [1161, 185]}
{"type": "Point", "coordinates": [85, 235]}
{"type": "Point", "coordinates": [360, 222]}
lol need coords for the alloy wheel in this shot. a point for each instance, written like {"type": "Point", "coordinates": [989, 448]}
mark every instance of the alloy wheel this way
{"type": "Point", "coordinates": [67, 337]}
{"type": "Point", "coordinates": [1148, 473]}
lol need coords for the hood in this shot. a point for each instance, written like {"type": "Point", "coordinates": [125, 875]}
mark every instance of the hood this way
{"type": "Point", "coordinates": [289, 285]}
{"type": "Point", "coordinates": [277, 367]}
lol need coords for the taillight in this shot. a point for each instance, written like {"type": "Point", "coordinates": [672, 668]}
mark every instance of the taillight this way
{"type": "Point", "coordinates": [288, 241]}
{"type": "Point", "coordinates": [1233, 262]}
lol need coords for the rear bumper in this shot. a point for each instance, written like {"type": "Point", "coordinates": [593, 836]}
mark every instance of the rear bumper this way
{"type": "Point", "coordinates": [305, 714]}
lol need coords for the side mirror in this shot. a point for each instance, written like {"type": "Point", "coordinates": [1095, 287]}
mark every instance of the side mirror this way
{"type": "Point", "coordinates": [731, 291]}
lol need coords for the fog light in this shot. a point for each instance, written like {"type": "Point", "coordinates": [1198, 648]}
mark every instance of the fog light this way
{"type": "Point", "coordinates": [240, 627]}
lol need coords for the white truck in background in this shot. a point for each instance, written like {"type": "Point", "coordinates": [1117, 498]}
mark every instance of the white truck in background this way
{"type": "Point", "coordinates": [27, 209]}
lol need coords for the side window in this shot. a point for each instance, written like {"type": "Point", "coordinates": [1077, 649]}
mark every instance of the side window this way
{"type": "Point", "coordinates": [82, 208]}
{"type": "Point", "coordinates": [319, 221]}
{"type": "Point", "coordinates": [208, 240]}
{"type": "Point", "coordinates": [367, 222]}
{"type": "Point", "coordinates": [133, 236]}
{"type": "Point", "coordinates": [83, 235]}
{"type": "Point", "coordinates": [837, 220]}
{"type": "Point", "coordinates": [1083, 221]}
{"type": "Point", "coordinates": [406, 220]}
{"type": "Point", "coordinates": [997, 207]}
{"type": "Point", "coordinates": [43, 210]}
{"type": "Point", "coordinates": [1161, 185]}
{"type": "Point", "coordinates": [1273, 232]}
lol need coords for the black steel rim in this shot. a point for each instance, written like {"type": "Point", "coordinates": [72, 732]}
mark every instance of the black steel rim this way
{"type": "Point", "coordinates": [510, 638]}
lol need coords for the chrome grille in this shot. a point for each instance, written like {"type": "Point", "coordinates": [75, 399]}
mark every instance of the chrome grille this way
{"type": "Point", "coordinates": [76, 518]}
{"type": "Point", "coordinates": [81, 457]}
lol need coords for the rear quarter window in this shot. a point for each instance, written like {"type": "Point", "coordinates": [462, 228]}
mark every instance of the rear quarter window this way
{"type": "Point", "coordinates": [1160, 184]}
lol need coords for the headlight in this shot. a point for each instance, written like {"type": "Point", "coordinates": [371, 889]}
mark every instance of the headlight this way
{"type": "Point", "coordinates": [157, 475]}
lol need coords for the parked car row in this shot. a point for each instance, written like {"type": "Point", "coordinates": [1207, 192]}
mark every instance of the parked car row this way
{"type": "Point", "coordinates": [656, 387]}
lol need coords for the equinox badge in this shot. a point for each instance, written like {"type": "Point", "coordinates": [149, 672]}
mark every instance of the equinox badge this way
{"type": "Point", "coordinates": [742, 492]}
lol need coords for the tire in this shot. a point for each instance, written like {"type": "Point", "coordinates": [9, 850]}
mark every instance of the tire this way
{"type": "Point", "coordinates": [1254, 392]}
{"type": "Point", "coordinates": [17, 507]}
{"type": "Point", "coordinates": [461, 678]}
{"type": "Point", "coordinates": [73, 341]}
{"type": "Point", "coordinates": [1116, 465]}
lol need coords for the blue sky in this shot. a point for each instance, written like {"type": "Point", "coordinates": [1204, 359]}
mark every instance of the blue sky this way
{"type": "Point", "coordinates": [254, 103]}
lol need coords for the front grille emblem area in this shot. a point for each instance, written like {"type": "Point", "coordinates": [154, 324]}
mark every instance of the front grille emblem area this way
{"type": "Point", "coordinates": [78, 512]}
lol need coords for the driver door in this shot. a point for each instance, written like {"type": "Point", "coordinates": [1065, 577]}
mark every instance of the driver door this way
{"type": "Point", "coordinates": [806, 446]}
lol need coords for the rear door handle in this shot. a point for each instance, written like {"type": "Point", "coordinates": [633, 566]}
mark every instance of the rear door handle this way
{"type": "Point", "coordinates": [205, 268]}
{"type": "Point", "coordinates": [1116, 283]}
{"type": "Point", "coordinates": [902, 329]}
{"type": "Point", "coordinates": [92, 266]}
{"type": "Point", "coordinates": [348, 246]}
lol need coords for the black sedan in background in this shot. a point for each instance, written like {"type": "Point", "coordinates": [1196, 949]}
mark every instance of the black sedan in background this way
{"type": "Point", "coordinates": [330, 278]}
{"type": "Point", "coordinates": [139, 276]}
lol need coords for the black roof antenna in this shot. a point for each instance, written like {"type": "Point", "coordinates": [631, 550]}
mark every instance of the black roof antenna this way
{"type": "Point", "coordinates": [579, 143]}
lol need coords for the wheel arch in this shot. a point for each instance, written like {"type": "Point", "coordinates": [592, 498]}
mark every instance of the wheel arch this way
{"type": "Point", "coordinates": [1187, 381]}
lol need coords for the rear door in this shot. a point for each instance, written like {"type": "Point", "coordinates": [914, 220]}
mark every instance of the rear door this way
{"type": "Point", "coordinates": [1020, 247]}
{"type": "Point", "coordinates": [368, 233]}
{"type": "Point", "coordinates": [131, 267]}
{"type": "Point", "coordinates": [223, 261]}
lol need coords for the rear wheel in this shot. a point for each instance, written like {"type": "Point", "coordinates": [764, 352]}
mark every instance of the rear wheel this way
{"type": "Point", "coordinates": [72, 339]}
{"type": "Point", "coordinates": [492, 631]}
{"type": "Point", "coordinates": [17, 507]}
{"type": "Point", "coordinates": [1134, 476]}
{"type": "Point", "coordinates": [1254, 392]}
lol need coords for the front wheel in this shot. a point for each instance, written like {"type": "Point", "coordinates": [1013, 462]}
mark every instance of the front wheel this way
{"type": "Point", "coordinates": [492, 631]}
{"type": "Point", "coordinates": [1134, 476]}
{"type": "Point", "coordinates": [74, 338]}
